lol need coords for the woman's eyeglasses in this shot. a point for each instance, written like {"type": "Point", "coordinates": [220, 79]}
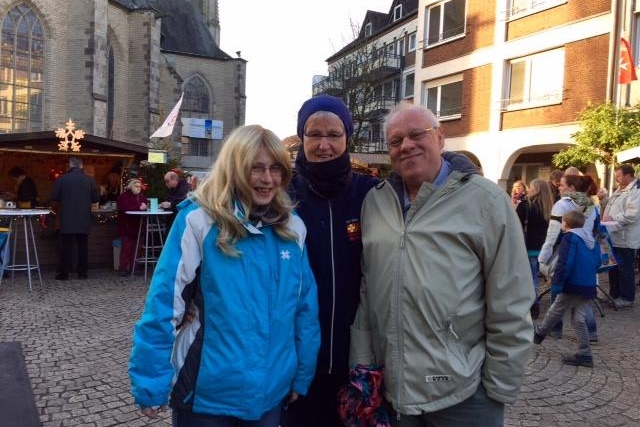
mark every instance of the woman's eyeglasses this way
{"type": "Point", "coordinates": [260, 170]}
{"type": "Point", "coordinates": [317, 137]}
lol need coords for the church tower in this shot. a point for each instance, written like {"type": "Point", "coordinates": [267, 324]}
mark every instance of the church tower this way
{"type": "Point", "coordinates": [209, 10]}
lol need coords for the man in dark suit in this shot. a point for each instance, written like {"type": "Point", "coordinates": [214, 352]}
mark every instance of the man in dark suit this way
{"type": "Point", "coordinates": [74, 192]}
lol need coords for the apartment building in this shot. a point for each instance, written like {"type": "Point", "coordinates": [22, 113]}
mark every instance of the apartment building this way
{"type": "Point", "coordinates": [375, 71]}
{"type": "Point", "coordinates": [507, 78]}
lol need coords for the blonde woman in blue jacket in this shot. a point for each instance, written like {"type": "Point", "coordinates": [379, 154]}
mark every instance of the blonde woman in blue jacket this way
{"type": "Point", "coordinates": [235, 259]}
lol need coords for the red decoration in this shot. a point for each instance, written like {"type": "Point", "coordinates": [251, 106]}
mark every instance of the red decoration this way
{"type": "Point", "coordinates": [55, 174]}
{"type": "Point", "coordinates": [627, 70]}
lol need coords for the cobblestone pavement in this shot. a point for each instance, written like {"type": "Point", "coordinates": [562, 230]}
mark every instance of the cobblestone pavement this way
{"type": "Point", "coordinates": [76, 337]}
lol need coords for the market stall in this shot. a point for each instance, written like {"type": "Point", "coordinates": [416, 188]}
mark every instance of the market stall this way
{"type": "Point", "coordinates": [39, 154]}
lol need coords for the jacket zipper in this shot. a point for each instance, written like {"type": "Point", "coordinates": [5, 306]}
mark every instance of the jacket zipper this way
{"type": "Point", "coordinates": [403, 236]}
{"type": "Point", "coordinates": [333, 288]}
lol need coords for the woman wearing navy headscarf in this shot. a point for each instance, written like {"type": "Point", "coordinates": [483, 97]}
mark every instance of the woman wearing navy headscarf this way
{"type": "Point", "coordinates": [329, 197]}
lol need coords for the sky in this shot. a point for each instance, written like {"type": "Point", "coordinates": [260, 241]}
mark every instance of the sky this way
{"type": "Point", "coordinates": [286, 43]}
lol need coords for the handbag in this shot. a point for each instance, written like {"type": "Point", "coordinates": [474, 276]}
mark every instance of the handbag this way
{"type": "Point", "coordinates": [608, 257]}
{"type": "Point", "coordinates": [548, 268]}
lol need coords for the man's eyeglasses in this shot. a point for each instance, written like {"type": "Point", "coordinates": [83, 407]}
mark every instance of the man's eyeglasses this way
{"type": "Point", "coordinates": [260, 170]}
{"type": "Point", "coordinates": [317, 137]}
{"type": "Point", "coordinates": [415, 135]}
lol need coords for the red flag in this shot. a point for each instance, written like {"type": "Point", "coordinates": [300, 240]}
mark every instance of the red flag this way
{"type": "Point", "coordinates": [626, 69]}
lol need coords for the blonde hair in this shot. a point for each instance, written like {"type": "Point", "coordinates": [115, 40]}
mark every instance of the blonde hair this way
{"type": "Point", "coordinates": [516, 183]}
{"type": "Point", "coordinates": [543, 197]}
{"type": "Point", "coordinates": [227, 183]}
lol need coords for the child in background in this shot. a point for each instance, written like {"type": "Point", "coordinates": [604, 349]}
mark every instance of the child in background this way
{"type": "Point", "coordinates": [575, 283]}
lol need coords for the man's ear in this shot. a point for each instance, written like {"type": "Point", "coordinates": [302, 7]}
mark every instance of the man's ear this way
{"type": "Point", "coordinates": [440, 134]}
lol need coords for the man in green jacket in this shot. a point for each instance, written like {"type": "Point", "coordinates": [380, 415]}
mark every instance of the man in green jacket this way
{"type": "Point", "coordinates": [446, 287]}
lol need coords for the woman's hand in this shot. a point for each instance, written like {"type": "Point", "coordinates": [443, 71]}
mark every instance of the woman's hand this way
{"type": "Point", "coordinates": [152, 412]}
{"type": "Point", "coordinates": [293, 397]}
{"type": "Point", "coordinates": [143, 206]}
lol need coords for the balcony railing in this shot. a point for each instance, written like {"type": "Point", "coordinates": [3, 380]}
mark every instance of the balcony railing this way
{"type": "Point", "coordinates": [328, 85]}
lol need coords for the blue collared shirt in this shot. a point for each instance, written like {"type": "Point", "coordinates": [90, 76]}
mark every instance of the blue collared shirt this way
{"type": "Point", "coordinates": [443, 173]}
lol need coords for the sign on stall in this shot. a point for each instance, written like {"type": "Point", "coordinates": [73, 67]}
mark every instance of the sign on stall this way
{"type": "Point", "coordinates": [157, 156]}
{"type": "Point", "coordinates": [202, 128]}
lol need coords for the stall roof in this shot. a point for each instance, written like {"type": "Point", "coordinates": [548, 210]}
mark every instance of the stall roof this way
{"type": "Point", "coordinates": [47, 141]}
{"type": "Point", "coordinates": [628, 155]}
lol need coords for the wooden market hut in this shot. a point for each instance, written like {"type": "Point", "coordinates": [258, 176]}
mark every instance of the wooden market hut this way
{"type": "Point", "coordinates": [38, 154]}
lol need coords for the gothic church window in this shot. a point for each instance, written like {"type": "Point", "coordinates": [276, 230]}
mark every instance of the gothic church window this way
{"type": "Point", "coordinates": [21, 71]}
{"type": "Point", "coordinates": [196, 104]}
{"type": "Point", "coordinates": [196, 98]}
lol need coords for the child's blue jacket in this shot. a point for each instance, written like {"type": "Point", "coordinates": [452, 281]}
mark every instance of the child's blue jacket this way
{"type": "Point", "coordinates": [255, 335]}
{"type": "Point", "coordinates": [578, 262]}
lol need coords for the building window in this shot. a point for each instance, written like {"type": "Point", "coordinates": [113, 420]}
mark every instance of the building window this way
{"type": "Point", "coordinates": [524, 7]}
{"type": "Point", "coordinates": [397, 12]}
{"type": "Point", "coordinates": [400, 45]}
{"type": "Point", "coordinates": [535, 80]}
{"type": "Point", "coordinates": [444, 97]}
{"type": "Point", "coordinates": [635, 45]}
{"type": "Point", "coordinates": [391, 47]}
{"type": "Point", "coordinates": [22, 70]}
{"type": "Point", "coordinates": [445, 20]}
{"type": "Point", "coordinates": [368, 29]}
{"type": "Point", "coordinates": [110, 92]}
{"type": "Point", "coordinates": [409, 80]}
{"type": "Point", "coordinates": [412, 42]}
{"type": "Point", "coordinates": [199, 147]}
{"type": "Point", "coordinates": [196, 98]}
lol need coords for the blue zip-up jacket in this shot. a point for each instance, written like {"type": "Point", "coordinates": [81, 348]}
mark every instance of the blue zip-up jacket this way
{"type": "Point", "coordinates": [578, 262]}
{"type": "Point", "coordinates": [255, 335]}
{"type": "Point", "coordinates": [334, 244]}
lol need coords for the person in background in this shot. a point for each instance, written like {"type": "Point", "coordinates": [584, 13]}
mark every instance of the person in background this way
{"type": "Point", "coordinates": [178, 191]}
{"type": "Point", "coordinates": [574, 282]}
{"type": "Point", "coordinates": [622, 219]}
{"type": "Point", "coordinates": [554, 183]}
{"type": "Point", "coordinates": [603, 198]}
{"type": "Point", "coordinates": [73, 194]}
{"type": "Point", "coordinates": [328, 196]}
{"type": "Point", "coordinates": [534, 214]}
{"type": "Point", "coordinates": [235, 257]}
{"type": "Point", "coordinates": [446, 287]}
{"type": "Point", "coordinates": [518, 192]}
{"type": "Point", "coordinates": [26, 193]}
{"type": "Point", "coordinates": [113, 181]}
{"type": "Point", "coordinates": [132, 199]}
{"type": "Point", "coordinates": [572, 170]}
{"type": "Point", "coordinates": [576, 192]}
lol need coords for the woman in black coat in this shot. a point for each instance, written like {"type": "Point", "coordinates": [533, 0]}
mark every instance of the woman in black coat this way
{"type": "Point", "coordinates": [534, 213]}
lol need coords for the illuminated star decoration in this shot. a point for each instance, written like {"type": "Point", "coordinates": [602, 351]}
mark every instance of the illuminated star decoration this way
{"type": "Point", "coordinates": [285, 255]}
{"type": "Point", "coordinates": [69, 137]}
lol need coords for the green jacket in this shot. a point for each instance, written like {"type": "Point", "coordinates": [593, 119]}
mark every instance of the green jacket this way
{"type": "Point", "coordinates": [445, 297]}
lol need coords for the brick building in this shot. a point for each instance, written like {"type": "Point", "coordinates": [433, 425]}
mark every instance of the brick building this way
{"type": "Point", "coordinates": [507, 78]}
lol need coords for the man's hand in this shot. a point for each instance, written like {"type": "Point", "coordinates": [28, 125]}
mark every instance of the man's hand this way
{"type": "Point", "coordinates": [165, 205]}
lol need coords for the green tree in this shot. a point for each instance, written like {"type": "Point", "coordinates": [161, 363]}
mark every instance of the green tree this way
{"type": "Point", "coordinates": [152, 174]}
{"type": "Point", "coordinates": [605, 129]}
